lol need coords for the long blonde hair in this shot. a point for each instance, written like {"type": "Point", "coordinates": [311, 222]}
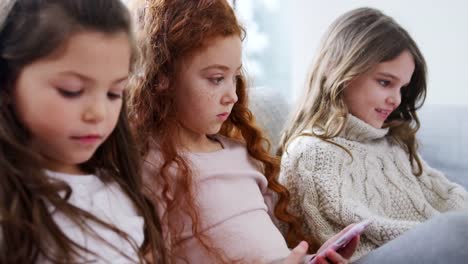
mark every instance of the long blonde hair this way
{"type": "Point", "coordinates": [356, 42]}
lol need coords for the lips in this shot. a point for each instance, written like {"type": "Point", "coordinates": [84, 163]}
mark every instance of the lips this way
{"type": "Point", "coordinates": [87, 139]}
{"type": "Point", "coordinates": [383, 113]}
{"type": "Point", "coordinates": [223, 116]}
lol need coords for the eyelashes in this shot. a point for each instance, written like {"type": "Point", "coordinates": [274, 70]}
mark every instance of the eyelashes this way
{"type": "Point", "coordinates": [114, 96]}
{"type": "Point", "coordinates": [384, 83]}
{"type": "Point", "coordinates": [216, 80]}
{"type": "Point", "coordinates": [76, 94]}
{"type": "Point", "coordinates": [219, 80]}
{"type": "Point", "coordinates": [69, 94]}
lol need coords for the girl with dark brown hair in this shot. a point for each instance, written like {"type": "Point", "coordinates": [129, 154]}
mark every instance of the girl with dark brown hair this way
{"type": "Point", "coordinates": [70, 186]}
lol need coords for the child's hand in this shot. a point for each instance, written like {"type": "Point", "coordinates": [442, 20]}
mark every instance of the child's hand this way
{"type": "Point", "coordinates": [343, 254]}
{"type": "Point", "coordinates": [297, 254]}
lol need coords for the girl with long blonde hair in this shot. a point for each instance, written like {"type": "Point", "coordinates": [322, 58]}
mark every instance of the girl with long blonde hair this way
{"type": "Point", "coordinates": [350, 150]}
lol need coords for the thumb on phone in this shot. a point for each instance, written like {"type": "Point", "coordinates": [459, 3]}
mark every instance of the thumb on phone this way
{"type": "Point", "coordinates": [297, 254]}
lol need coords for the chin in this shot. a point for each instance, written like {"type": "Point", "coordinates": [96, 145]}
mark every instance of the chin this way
{"type": "Point", "coordinates": [81, 159]}
{"type": "Point", "coordinates": [214, 131]}
{"type": "Point", "coordinates": [378, 125]}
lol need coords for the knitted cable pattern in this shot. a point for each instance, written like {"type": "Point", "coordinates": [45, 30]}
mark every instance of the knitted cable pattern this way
{"type": "Point", "coordinates": [330, 190]}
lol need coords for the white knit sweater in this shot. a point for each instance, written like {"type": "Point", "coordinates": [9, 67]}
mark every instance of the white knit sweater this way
{"type": "Point", "coordinates": [331, 190]}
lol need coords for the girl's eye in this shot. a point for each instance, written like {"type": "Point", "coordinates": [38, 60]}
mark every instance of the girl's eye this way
{"type": "Point", "coordinates": [69, 94]}
{"type": "Point", "coordinates": [217, 80]}
{"type": "Point", "coordinates": [114, 96]}
{"type": "Point", "coordinates": [384, 83]}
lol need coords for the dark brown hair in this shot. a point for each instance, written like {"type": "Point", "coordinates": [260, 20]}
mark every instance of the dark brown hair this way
{"type": "Point", "coordinates": [33, 30]}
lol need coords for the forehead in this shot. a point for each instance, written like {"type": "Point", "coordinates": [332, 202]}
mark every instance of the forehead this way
{"type": "Point", "coordinates": [90, 53]}
{"type": "Point", "coordinates": [221, 50]}
{"type": "Point", "coordinates": [401, 66]}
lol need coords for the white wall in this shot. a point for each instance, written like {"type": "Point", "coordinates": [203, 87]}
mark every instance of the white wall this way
{"type": "Point", "coordinates": [440, 28]}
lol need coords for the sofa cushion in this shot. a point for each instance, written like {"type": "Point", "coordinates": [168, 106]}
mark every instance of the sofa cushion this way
{"type": "Point", "coordinates": [271, 110]}
{"type": "Point", "coordinates": [443, 139]}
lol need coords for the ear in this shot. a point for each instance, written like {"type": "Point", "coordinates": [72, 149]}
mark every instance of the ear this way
{"type": "Point", "coordinates": [163, 83]}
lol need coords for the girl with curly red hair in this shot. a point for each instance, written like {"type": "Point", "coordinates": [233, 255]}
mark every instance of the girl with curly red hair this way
{"type": "Point", "coordinates": [212, 175]}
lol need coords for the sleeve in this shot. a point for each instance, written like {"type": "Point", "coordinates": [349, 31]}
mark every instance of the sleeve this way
{"type": "Point", "coordinates": [441, 193]}
{"type": "Point", "coordinates": [316, 176]}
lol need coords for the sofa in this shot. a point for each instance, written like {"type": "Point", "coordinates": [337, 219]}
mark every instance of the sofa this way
{"type": "Point", "coordinates": [443, 135]}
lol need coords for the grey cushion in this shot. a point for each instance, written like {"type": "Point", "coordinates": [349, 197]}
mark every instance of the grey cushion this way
{"type": "Point", "coordinates": [271, 110]}
{"type": "Point", "coordinates": [444, 140]}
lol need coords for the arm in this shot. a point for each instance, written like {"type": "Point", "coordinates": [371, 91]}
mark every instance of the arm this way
{"type": "Point", "coordinates": [271, 199]}
{"type": "Point", "coordinates": [441, 193]}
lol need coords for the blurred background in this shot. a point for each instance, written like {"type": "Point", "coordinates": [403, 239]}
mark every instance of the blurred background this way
{"type": "Point", "coordinates": [283, 36]}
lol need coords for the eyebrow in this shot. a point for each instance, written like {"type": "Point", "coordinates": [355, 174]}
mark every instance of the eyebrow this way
{"type": "Point", "coordinates": [87, 79]}
{"type": "Point", "coordinates": [219, 66]}
{"type": "Point", "coordinates": [391, 76]}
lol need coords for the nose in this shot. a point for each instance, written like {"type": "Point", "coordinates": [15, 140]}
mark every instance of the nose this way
{"type": "Point", "coordinates": [395, 98]}
{"type": "Point", "coordinates": [230, 97]}
{"type": "Point", "coordinates": [95, 111]}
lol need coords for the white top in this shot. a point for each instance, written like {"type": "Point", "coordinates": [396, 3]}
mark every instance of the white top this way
{"type": "Point", "coordinates": [110, 204]}
{"type": "Point", "coordinates": [331, 190]}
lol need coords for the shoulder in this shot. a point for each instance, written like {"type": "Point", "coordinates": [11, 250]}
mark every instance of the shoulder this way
{"type": "Point", "coordinates": [303, 142]}
{"type": "Point", "coordinates": [230, 143]}
{"type": "Point", "coordinates": [310, 155]}
{"type": "Point", "coordinates": [151, 163]}
{"type": "Point", "coordinates": [153, 158]}
{"type": "Point", "coordinates": [116, 195]}
{"type": "Point", "coordinates": [232, 148]}
{"type": "Point", "coordinates": [305, 145]}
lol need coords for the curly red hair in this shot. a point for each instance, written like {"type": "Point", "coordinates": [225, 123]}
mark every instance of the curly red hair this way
{"type": "Point", "coordinates": [172, 30]}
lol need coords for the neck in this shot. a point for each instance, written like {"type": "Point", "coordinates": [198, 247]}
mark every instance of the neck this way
{"type": "Point", "coordinates": [63, 168]}
{"type": "Point", "coordinates": [196, 142]}
{"type": "Point", "coordinates": [357, 130]}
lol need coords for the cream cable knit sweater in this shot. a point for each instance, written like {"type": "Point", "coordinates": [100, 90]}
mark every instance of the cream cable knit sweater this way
{"type": "Point", "coordinates": [330, 190]}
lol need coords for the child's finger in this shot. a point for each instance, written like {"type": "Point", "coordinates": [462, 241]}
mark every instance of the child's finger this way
{"type": "Point", "coordinates": [347, 251]}
{"type": "Point", "coordinates": [335, 258]}
{"type": "Point", "coordinates": [297, 254]}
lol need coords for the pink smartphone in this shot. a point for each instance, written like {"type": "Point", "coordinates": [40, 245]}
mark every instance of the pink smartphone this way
{"type": "Point", "coordinates": [342, 241]}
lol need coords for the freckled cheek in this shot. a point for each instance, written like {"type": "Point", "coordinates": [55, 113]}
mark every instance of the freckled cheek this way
{"type": "Point", "coordinates": [204, 102]}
